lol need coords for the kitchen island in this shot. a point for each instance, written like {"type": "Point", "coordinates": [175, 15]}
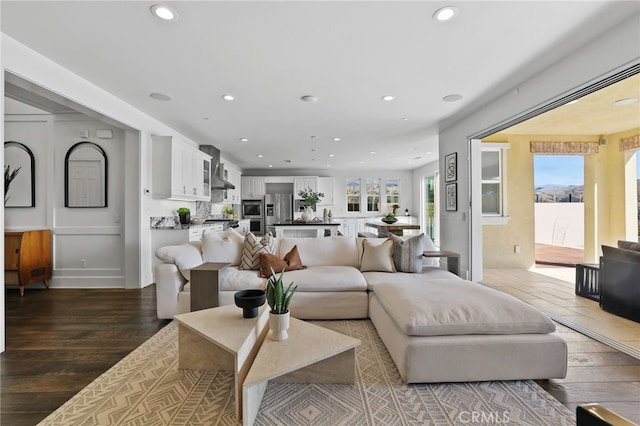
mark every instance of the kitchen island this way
{"type": "Point", "coordinates": [298, 229]}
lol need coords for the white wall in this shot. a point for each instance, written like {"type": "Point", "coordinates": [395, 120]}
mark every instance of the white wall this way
{"type": "Point", "coordinates": [94, 235]}
{"type": "Point", "coordinates": [2, 301]}
{"type": "Point", "coordinates": [560, 224]}
{"type": "Point", "coordinates": [615, 50]}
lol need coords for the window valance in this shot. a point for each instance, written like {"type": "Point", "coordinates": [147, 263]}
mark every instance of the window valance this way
{"type": "Point", "coordinates": [575, 148]}
{"type": "Point", "coordinates": [629, 143]}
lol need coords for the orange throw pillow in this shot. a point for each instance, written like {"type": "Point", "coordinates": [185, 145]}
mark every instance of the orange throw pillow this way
{"type": "Point", "coordinates": [291, 262]}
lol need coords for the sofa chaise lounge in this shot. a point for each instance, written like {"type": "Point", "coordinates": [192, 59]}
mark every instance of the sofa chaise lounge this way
{"type": "Point", "coordinates": [436, 326]}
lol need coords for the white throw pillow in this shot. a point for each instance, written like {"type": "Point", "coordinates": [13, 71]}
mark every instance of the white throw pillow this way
{"type": "Point", "coordinates": [377, 257]}
{"type": "Point", "coordinates": [407, 253]}
{"type": "Point", "coordinates": [226, 248]}
{"type": "Point", "coordinates": [184, 256]}
{"type": "Point", "coordinates": [428, 245]}
{"type": "Point", "coordinates": [252, 248]}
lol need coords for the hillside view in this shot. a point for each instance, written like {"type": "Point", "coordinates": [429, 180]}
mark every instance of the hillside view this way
{"type": "Point", "coordinates": [566, 193]}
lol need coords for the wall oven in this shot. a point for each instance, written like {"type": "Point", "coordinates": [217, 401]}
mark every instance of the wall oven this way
{"type": "Point", "coordinates": [254, 211]}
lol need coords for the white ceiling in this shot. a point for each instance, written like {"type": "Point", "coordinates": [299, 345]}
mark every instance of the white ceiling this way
{"type": "Point", "coordinates": [268, 54]}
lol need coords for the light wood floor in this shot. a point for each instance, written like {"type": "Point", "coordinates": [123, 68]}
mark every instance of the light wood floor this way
{"type": "Point", "coordinates": [597, 372]}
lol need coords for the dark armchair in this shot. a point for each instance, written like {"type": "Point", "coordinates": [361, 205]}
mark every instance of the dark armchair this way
{"type": "Point", "coordinates": [620, 280]}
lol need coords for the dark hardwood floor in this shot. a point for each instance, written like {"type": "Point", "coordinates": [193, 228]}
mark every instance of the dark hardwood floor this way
{"type": "Point", "coordinates": [58, 341]}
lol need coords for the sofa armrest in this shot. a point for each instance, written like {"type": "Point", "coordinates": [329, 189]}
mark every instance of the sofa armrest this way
{"type": "Point", "coordinates": [169, 283]}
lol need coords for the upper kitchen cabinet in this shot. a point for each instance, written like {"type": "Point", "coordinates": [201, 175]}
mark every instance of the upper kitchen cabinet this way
{"type": "Point", "coordinates": [179, 171]}
{"type": "Point", "coordinates": [325, 186]}
{"type": "Point", "coordinates": [253, 187]}
{"type": "Point", "coordinates": [233, 196]}
{"type": "Point", "coordinates": [300, 183]}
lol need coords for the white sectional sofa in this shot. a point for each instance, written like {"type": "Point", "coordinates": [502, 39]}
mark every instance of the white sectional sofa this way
{"type": "Point", "coordinates": [437, 327]}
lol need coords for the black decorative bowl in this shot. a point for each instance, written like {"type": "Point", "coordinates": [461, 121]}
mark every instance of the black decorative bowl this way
{"type": "Point", "coordinates": [389, 221]}
{"type": "Point", "coordinates": [250, 301]}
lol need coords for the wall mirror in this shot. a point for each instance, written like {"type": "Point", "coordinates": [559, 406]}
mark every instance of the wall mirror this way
{"type": "Point", "coordinates": [85, 176]}
{"type": "Point", "coordinates": [19, 175]}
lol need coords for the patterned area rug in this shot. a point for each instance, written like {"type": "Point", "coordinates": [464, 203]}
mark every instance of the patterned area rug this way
{"type": "Point", "coordinates": [147, 388]}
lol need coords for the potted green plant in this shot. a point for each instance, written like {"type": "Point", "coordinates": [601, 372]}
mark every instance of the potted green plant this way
{"type": "Point", "coordinates": [389, 218]}
{"type": "Point", "coordinates": [185, 215]}
{"type": "Point", "coordinates": [279, 300]}
{"type": "Point", "coordinates": [309, 198]}
{"type": "Point", "coordinates": [9, 176]}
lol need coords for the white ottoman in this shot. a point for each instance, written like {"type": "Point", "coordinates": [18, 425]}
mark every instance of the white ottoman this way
{"type": "Point", "coordinates": [460, 331]}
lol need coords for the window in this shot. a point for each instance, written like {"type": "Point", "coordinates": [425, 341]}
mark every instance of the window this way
{"type": "Point", "coordinates": [494, 182]}
{"type": "Point", "coordinates": [392, 193]}
{"type": "Point", "coordinates": [353, 195]}
{"type": "Point", "coordinates": [372, 188]}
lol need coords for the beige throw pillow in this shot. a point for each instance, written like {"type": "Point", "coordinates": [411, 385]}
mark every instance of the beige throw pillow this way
{"type": "Point", "coordinates": [252, 249]}
{"type": "Point", "coordinates": [226, 248]}
{"type": "Point", "coordinates": [378, 258]}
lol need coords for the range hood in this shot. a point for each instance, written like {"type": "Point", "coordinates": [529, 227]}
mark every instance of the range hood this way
{"type": "Point", "coordinates": [218, 180]}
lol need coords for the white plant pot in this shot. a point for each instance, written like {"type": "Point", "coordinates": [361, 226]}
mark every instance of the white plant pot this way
{"type": "Point", "coordinates": [279, 324]}
{"type": "Point", "coordinates": [307, 215]}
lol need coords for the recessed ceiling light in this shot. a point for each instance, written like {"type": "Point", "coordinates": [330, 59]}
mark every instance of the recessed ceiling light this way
{"type": "Point", "coordinates": [337, 139]}
{"type": "Point", "coordinates": [452, 98]}
{"type": "Point", "coordinates": [309, 98]}
{"type": "Point", "coordinates": [446, 13]}
{"type": "Point", "coordinates": [332, 155]}
{"type": "Point", "coordinates": [405, 119]}
{"type": "Point", "coordinates": [387, 98]}
{"type": "Point", "coordinates": [160, 97]}
{"type": "Point", "coordinates": [362, 162]}
{"type": "Point", "coordinates": [270, 165]}
{"type": "Point", "coordinates": [372, 152]}
{"type": "Point", "coordinates": [164, 12]}
{"type": "Point", "coordinates": [244, 140]}
{"type": "Point", "coordinates": [328, 165]}
{"type": "Point", "coordinates": [627, 101]}
{"type": "Point", "coordinates": [228, 97]}
{"type": "Point", "coordinates": [259, 155]}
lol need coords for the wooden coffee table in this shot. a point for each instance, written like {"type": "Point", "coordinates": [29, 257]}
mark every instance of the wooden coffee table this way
{"type": "Point", "coordinates": [311, 354]}
{"type": "Point", "coordinates": [220, 339]}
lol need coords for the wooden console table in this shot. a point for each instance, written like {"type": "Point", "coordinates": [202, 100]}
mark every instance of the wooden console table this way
{"type": "Point", "coordinates": [27, 257]}
{"type": "Point", "coordinates": [453, 259]}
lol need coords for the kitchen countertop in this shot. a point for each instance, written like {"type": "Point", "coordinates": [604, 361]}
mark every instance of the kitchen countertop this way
{"type": "Point", "coordinates": [315, 223]}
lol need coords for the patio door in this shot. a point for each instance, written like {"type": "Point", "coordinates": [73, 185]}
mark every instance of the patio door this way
{"type": "Point", "coordinates": [431, 212]}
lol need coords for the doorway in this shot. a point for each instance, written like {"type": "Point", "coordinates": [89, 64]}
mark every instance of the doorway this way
{"type": "Point", "coordinates": [430, 209]}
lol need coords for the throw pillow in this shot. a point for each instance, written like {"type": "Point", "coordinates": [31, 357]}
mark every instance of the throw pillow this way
{"type": "Point", "coordinates": [253, 247]}
{"type": "Point", "coordinates": [184, 256]}
{"type": "Point", "coordinates": [377, 257]}
{"type": "Point", "coordinates": [428, 245]}
{"type": "Point", "coordinates": [291, 262]}
{"type": "Point", "coordinates": [226, 248]}
{"type": "Point", "coordinates": [407, 253]}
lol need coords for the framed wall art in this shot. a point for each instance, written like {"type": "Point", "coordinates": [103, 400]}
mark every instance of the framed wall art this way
{"type": "Point", "coordinates": [451, 197]}
{"type": "Point", "coordinates": [451, 167]}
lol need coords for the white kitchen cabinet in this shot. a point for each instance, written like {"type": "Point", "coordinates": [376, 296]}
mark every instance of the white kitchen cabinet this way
{"type": "Point", "coordinates": [301, 183]}
{"type": "Point", "coordinates": [233, 196]}
{"type": "Point", "coordinates": [325, 186]}
{"type": "Point", "coordinates": [195, 232]}
{"type": "Point", "coordinates": [178, 170]}
{"type": "Point", "coordinates": [253, 187]}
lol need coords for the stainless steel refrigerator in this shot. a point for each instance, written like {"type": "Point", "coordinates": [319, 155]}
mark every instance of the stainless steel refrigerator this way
{"type": "Point", "coordinates": [278, 209]}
